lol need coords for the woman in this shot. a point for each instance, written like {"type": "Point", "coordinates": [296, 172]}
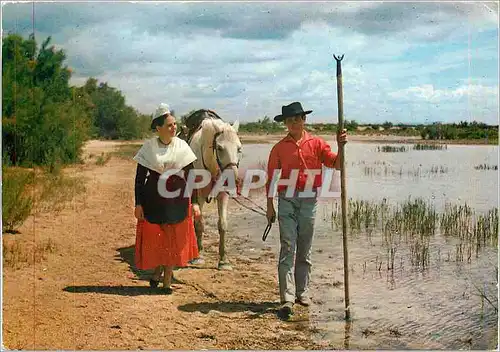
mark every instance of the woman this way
{"type": "Point", "coordinates": [165, 236]}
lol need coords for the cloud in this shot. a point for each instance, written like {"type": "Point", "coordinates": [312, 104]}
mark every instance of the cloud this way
{"type": "Point", "coordinates": [427, 92]}
{"type": "Point", "coordinates": [247, 59]}
{"type": "Point", "coordinates": [466, 102]}
{"type": "Point", "coordinates": [275, 20]}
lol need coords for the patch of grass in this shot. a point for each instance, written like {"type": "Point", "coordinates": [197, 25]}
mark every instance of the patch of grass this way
{"type": "Point", "coordinates": [430, 146]}
{"type": "Point", "coordinates": [486, 167]}
{"type": "Point", "coordinates": [103, 159]}
{"type": "Point", "coordinates": [387, 170]}
{"type": "Point", "coordinates": [55, 191]}
{"type": "Point", "coordinates": [439, 169]}
{"type": "Point", "coordinates": [392, 149]}
{"type": "Point", "coordinates": [382, 171]}
{"type": "Point", "coordinates": [126, 151]}
{"type": "Point", "coordinates": [18, 253]}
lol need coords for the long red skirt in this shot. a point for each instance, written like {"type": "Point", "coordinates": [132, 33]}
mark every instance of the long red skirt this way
{"type": "Point", "coordinates": [169, 245]}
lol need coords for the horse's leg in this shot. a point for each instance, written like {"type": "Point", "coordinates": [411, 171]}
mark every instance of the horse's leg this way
{"type": "Point", "coordinates": [199, 229]}
{"type": "Point", "coordinates": [222, 201]}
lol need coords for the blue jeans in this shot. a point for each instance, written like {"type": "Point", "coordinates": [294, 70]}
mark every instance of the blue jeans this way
{"type": "Point", "coordinates": [296, 225]}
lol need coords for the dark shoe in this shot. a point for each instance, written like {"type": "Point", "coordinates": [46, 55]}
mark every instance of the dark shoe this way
{"type": "Point", "coordinates": [286, 310]}
{"type": "Point", "coordinates": [197, 261]}
{"type": "Point", "coordinates": [303, 301]}
{"type": "Point", "coordinates": [167, 290]}
{"type": "Point", "coordinates": [153, 283]}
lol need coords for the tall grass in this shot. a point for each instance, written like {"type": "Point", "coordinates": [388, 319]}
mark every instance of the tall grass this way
{"type": "Point", "coordinates": [27, 191]}
{"type": "Point", "coordinates": [17, 200]}
{"type": "Point", "coordinates": [415, 222]}
{"type": "Point", "coordinates": [474, 231]}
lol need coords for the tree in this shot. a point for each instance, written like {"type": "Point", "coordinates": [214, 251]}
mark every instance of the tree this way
{"type": "Point", "coordinates": [38, 118]}
{"type": "Point", "coordinates": [351, 125]}
{"type": "Point", "coordinates": [387, 125]}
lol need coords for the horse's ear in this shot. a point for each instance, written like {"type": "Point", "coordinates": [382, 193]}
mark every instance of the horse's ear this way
{"type": "Point", "coordinates": [236, 125]}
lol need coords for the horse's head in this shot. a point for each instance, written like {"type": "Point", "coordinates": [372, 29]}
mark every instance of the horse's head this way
{"type": "Point", "coordinates": [227, 146]}
{"type": "Point", "coordinates": [223, 146]}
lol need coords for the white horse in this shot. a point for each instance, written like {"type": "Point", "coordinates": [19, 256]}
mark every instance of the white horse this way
{"type": "Point", "coordinates": [217, 147]}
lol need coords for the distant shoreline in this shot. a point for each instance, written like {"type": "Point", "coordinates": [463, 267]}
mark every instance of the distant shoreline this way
{"type": "Point", "coordinates": [257, 138]}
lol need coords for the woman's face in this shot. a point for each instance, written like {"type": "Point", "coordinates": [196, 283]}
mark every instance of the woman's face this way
{"type": "Point", "coordinates": [169, 127]}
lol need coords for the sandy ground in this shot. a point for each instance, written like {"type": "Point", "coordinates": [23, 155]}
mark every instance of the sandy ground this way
{"type": "Point", "coordinates": [87, 295]}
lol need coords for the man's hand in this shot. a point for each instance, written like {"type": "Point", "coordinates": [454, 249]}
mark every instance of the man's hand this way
{"type": "Point", "coordinates": [342, 137]}
{"type": "Point", "coordinates": [139, 212]}
{"type": "Point", "coordinates": [270, 212]}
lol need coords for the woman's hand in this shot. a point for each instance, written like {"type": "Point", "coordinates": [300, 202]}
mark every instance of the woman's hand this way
{"type": "Point", "coordinates": [196, 211]}
{"type": "Point", "coordinates": [139, 212]}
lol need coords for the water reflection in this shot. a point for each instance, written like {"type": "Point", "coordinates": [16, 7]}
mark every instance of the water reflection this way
{"type": "Point", "coordinates": [347, 334]}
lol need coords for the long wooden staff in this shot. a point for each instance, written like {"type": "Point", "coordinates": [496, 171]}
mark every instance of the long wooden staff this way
{"type": "Point", "coordinates": [343, 197]}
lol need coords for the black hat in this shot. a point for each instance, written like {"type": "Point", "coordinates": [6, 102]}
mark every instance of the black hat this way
{"type": "Point", "coordinates": [290, 110]}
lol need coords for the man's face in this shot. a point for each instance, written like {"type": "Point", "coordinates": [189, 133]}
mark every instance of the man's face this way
{"type": "Point", "coordinates": [295, 124]}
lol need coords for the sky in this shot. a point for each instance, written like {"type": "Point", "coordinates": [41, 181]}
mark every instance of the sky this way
{"type": "Point", "coordinates": [405, 62]}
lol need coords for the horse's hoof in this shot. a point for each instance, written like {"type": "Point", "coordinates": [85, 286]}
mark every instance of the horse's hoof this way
{"type": "Point", "coordinates": [225, 266]}
{"type": "Point", "coordinates": [197, 261]}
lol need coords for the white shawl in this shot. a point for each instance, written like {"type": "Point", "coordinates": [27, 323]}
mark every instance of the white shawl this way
{"type": "Point", "coordinates": [177, 155]}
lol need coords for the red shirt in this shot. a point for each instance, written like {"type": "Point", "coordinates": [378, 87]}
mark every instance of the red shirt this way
{"type": "Point", "coordinates": [310, 152]}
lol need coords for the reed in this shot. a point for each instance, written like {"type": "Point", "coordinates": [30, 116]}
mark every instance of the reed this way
{"type": "Point", "coordinates": [438, 169]}
{"type": "Point", "coordinates": [388, 170]}
{"type": "Point", "coordinates": [419, 146]}
{"type": "Point", "coordinates": [415, 222]}
{"type": "Point", "coordinates": [486, 167]}
{"type": "Point", "coordinates": [392, 149]}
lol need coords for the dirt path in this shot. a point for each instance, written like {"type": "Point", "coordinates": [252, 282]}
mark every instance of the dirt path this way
{"type": "Point", "coordinates": [87, 295]}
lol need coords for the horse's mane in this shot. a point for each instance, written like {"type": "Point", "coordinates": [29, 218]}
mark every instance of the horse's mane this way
{"type": "Point", "coordinates": [203, 138]}
{"type": "Point", "coordinates": [211, 126]}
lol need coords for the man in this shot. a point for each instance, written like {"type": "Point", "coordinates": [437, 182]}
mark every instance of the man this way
{"type": "Point", "coordinates": [300, 157]}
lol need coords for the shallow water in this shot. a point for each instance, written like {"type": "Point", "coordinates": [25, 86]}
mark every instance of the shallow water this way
{"type": "Point", "coordinates": [396, 176]}
{"type": "Point", "coordinates": [407, 307]}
